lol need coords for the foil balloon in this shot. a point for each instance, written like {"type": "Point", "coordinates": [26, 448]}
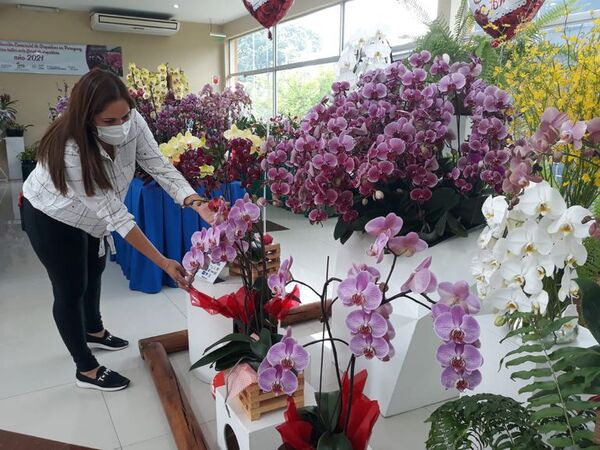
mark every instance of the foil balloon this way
{"type": "Point", "coordinates": [268, 12]}
{"type": "Point", "coordinates": [501, 19]}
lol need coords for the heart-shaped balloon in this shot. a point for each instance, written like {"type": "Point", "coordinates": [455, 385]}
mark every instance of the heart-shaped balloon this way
{"type": "Point", "coordinates": [501, 18]}
{"type": "Point", "coordinates": [268, 12]}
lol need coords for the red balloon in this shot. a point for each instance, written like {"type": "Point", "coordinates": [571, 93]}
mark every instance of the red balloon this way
{"type": "Point", "coordinates": [501, 18]}
{"type": "Point", "coordinates": [268, 12]}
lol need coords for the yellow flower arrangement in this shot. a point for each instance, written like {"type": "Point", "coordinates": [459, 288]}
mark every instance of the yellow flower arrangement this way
{"type": "Point", "coordinates": [180, 144]}
{"type": "Point", "coordinates": [235, 133]}
{"type": "Point", "coordinates": [157, 84]}
{"type": "Point", "coordinates": [564, 75]}
{"type": "Point", "coordinates": [206, 171]}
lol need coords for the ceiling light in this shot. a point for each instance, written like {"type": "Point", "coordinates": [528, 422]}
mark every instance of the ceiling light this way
{"type": "Point", "coordinates": [217, 35]}
{"type": "Point", "coordinates": [37, 8]}
{"type": "Point", "coordinates": [176, 6]}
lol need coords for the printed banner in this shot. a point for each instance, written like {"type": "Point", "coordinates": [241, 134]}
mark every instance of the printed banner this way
{"type": "Point", "coordinates": [58, 59]}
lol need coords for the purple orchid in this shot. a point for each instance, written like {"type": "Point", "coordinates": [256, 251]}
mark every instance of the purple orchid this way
{"type": "Point", "coordinates": [452, 294]}
{"type": "Point", "coordinates": [457, 326]}
{"type": "Point", "coordinates": [223, 252]}
{"type": "Point", "coordinates": [572, 133]}
{"type": "Point", "coordinates": [461, 381]}
{"type": "Point", "coordinates": [407, 245]}
{"type": "Point", "coordinates": [358, 268]}
{"type": "Point", "coordinates": [369, 347]}
{"type": "Point", "coordinates": [367, 324]}
{"type": "Point", "coordinates": [277, 283]}
{"type": "Point", "coordinates": [422, 280]}
{"type": "Point", "coordinates": [377, 249]}
{"type": "Point", "coordinates": [194, 260]}
{"type": "Point", "coordinates": [390, 225]}
{"type": "Point", "coordinates": [550, 126]}
{"type": "Point", "coordinates": [360, 291]}
{"type": "Point", "coordinates": [277, 380]}
{"type": "Point", "coordinates": [374, 91]}
{"type": "Point", "coordinates": [593, 128]}
{"type": "Point", "coordinates": [200, 241]}
{"type": "Point", "coordinates": [285, 269]}
{"type": "Point", "coordinates": [452, 82]}
{"type": "Point", "coordinates": [460, 357]}
{"type": "Point", "coordinates": [288, 354]}
{"type": "Point", "coordinates": [246, 210]}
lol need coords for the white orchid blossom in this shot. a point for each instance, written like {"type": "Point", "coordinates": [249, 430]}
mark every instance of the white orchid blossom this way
{"type": "Point", "coordinates": [540, 199]}
{"type": "Point", "coordinates": [536, 244]}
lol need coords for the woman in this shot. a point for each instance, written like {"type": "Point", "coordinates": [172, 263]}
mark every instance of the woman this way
{"type": "Point", "coordinates": [73, 200]}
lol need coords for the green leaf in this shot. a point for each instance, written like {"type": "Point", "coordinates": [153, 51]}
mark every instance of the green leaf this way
{"type": "Point", "coordinates": [536, 359]}
{"type": "Point", "coordinates": [456, 227]}
{"type": "Point", "coordinates": [550, 399]}
{"type": "Point", "coordinates": [232, 348]}
{"type": "Point", "coordinates": [590, 305]}
{"type": "Point", "coordinates": [337, 441]}
{"type": "Point", "coordinates": [329, 404]}
{"type": "Point", "coordinates": [533, 373]}
{"type": "Point", "coordinates": [234, 337]}
{"type": "Point", "coordinates": [554, 411]}
{"type": "Point", "coordinates": [560, 442]}
{"type": "Point", "coordinates": [440, 226]}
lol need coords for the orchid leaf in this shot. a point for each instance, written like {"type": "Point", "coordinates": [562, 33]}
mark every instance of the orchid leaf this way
{"type": "Point", "coordinates": [337, 441]}
{"type": "Point", "coordinates": [234, 337]}
{"type": "Point", "coordinates": [231, 348]}
{"type": "Point", "coordinates": [329, 404]}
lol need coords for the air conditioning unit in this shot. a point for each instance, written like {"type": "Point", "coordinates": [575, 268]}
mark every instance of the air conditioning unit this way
{"type": "Point", "coordinates": [127, 24]}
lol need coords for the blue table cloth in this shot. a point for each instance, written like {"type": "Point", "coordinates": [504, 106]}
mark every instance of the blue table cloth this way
{"type": "Point", "coordinates": [168, 226]}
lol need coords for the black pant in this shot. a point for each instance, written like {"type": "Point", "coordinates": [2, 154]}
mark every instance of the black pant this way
{"type": "Point", "coordinates": [70, 257]}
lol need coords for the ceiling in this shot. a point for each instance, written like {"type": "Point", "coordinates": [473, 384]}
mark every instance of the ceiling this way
{"type": "Point", "coordinates": [204, 11]}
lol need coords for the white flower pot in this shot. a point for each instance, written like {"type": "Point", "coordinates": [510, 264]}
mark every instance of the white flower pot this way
{"type": "Point", "coordinates": [14, 146]}
{"type": "Point", "coordinates": [205, 329]}
{"type": "Point", "coordinates": [411, 379]}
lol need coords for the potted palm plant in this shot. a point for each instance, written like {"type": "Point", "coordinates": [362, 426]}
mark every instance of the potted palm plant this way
{"type": "Point", "coordinates": [28, 159]}
{"type": "Point", "coordinates": [15, 129]}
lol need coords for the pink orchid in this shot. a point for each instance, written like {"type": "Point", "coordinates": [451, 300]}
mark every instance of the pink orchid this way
{"type": "Point", "coordinates": [360, 291]}
{"type": "Point", "coordinates": [390, 225]}
{"type": "Point", "coordinates": [422, 280]}
{"type": "Point", "coordinates": [571, 133]}
{"type": "Point", "coordinates": [452, 294]}
{"type": "Point", "coordinates": [407, 245]}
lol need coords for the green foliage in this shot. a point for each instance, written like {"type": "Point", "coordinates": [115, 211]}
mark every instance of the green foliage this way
{"type": "Point", "coordinates": [481, 421]}
{"type": "Point", "coordinates": [30, 153]}
{"type": "Point", "coordinates": [446, 214]}
{"type": "Point", "coordinates": [590, 305]}
{"type": "Point", "coordinates": [238, 348]}
{"type": "Point", "coordinates": [560, 383]}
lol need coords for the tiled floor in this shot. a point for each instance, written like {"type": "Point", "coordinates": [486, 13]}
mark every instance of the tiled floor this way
{"type": "Point", "coordinates": [37, 393]}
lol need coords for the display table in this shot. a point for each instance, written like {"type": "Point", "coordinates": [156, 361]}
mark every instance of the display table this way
{"type": "Point", "coordinates": [168, 226]}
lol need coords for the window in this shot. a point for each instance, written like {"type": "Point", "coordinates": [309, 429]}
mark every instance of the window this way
{"type": "Point", "coordinates": [401, 21]}
{"type": "Point", "coordinates": [295, 70]}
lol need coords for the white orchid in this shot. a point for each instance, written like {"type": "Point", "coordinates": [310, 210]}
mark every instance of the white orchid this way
{"type": "Point", "coordinates": [570, 223]}
{"type": "Point", "coordinates": [495, 211]}
{"type": "Point", "coordinates": [525, 249]}
{"type": "Point", "coordinates": [540, 199]}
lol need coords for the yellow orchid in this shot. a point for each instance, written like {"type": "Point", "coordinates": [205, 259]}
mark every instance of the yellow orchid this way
{"type": "Point", "coordinates": [235, 133]}
{"type": "Point", "coordinates": [206, 171]}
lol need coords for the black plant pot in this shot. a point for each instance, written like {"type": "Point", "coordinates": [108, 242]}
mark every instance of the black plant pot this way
{"type": "Point", "coordinates": [27, 167]}
{"type": "Point", "coordinates": [11, 132]}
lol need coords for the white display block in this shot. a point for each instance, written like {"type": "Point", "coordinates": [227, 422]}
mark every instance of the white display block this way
{"type": "Point", "coordinates": [411, 379]}
{"type": "Point", "coordinates": [251, 435]}
{"type": "Point", "coordinates": [14, 146]}
{"type": "Point", "coordinates": [205, 329]}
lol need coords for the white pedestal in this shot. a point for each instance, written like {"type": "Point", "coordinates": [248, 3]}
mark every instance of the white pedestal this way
{"type": "Point", "coordinates": [205, 329]}
{"type": "Point", "coordinates": [14, 146]}
{"type": "Point", "coordinates": [411, 379]}
{"type": "Point", "coordinates": [258, 435]}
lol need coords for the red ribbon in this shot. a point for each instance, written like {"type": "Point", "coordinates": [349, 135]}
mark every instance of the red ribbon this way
{"type": "Point", "coordinates": [279, 307]}
{"type": "Point", "coordinates": [238, 306]}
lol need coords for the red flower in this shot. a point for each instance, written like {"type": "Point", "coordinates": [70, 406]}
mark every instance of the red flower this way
{"type": "Point", "coordinates": [238, 306]}
{"type": "Point", "coordinates": [279, 307]}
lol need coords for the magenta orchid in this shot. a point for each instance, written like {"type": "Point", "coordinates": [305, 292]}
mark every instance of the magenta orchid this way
{"type": "Point", "coordinates": [367, 324]}
{"type": "Point", "coordinates": [277, 380]}
{"type": "Point", "coordinates": [451, 379]}
{"type": "Point", "coordinates": [389, 225]}
{"type": "Point", "coordinates": [360, 291]}
{"type": "Point", "coordinates": [460, 357]}
{"type": "Point", "coordinates": [288, 354]}
{"type": "Point", "coordinates": [457, 326]}
{"type": "Point", "coordinates": [369, 347]}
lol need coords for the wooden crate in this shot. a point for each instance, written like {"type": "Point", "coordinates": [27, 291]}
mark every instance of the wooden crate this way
{"type": "Point", "coordinates": [273, 262]}
{"type": "Point", "coordinates": [256, 403]}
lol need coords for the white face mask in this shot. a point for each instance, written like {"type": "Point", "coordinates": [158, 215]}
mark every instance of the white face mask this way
{"type": "Point", "coordinates": [114, 134]}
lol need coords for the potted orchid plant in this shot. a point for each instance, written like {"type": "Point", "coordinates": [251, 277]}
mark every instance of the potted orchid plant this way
{"type": "Point", "coordinates": [344, 419]}
{"type": "Point", "coordinates": [388, 146]}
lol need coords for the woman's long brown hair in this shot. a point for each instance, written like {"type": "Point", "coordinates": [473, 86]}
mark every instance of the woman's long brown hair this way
{"type": "Point", "coordinates": [90, 96]}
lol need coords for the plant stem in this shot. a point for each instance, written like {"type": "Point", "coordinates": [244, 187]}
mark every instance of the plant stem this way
{"type": "Point", "coordinates": [325, 340]}
{"type": "Point", "coordinates": [350, 394]}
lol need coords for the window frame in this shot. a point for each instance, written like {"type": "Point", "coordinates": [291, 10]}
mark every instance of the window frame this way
{"type": "Point", "coordinates": [275, 68]}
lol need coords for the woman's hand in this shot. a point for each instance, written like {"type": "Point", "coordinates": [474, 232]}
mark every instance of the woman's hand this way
{"type": "Point", "coordinates": [202, 207]}
{"type": "Point", "coordinates": [177, 273]}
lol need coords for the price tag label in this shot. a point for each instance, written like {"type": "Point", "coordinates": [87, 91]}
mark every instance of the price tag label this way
{"type": "Point", "coordinates": [211, 274]}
